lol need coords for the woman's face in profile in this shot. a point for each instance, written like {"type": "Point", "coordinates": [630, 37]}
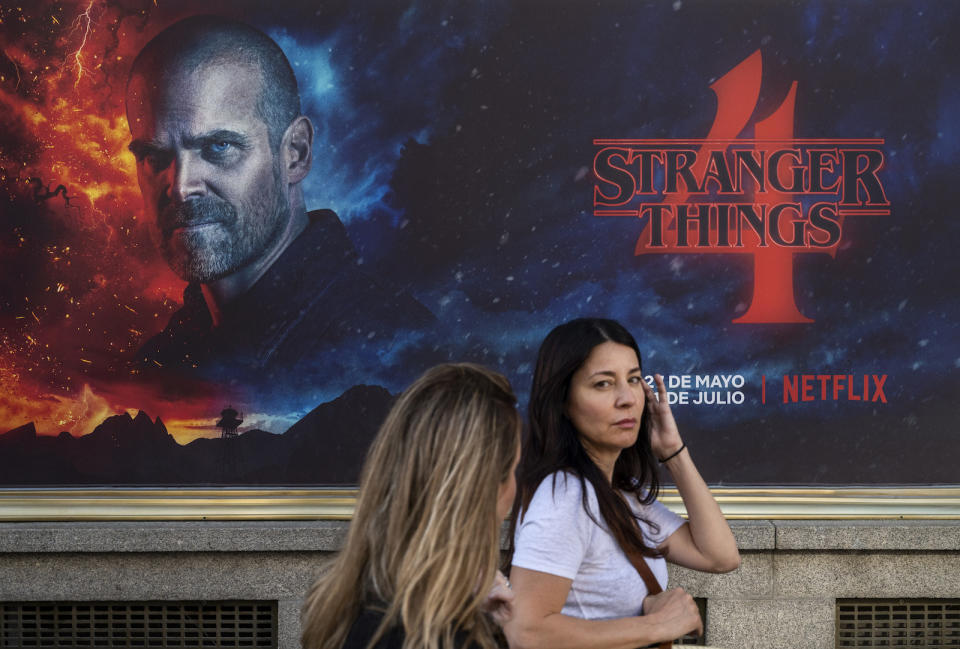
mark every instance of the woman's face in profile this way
{"type": "Point", "coordinates": [508, 490]}
{"type": "Point", "coordinates": [606, 399]}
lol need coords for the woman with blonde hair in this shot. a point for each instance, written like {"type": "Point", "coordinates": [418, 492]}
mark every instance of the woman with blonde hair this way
{"type": "Point", "coordinates": [419, 569]}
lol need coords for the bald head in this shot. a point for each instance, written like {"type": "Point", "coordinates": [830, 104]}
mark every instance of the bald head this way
{"type": "Point", "coordinates": [221, 151]}
{"type": "Point", "coordinates": [204, 41]}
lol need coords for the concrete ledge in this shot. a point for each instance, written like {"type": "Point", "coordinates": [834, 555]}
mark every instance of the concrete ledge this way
{"type": "Point", "coordinates": [329, 536]}
{"type": "Point", "coordinates": [867, 535]}
{"type": "Point", "coordinates": [232, 536]}
{"type": "Point", "coordinates": [164, 575]}
{"type": "Point", "coordinates": [229, 536]}
{"type": "Point", "coordinates": [191, 536]}
{"type": "Point", "coordinates": [754, 535]}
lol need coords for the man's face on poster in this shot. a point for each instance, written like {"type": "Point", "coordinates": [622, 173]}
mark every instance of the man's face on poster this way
{"type": "Point", "coordinates": [211, 184]}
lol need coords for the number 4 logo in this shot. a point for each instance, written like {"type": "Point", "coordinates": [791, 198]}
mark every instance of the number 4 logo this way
{"type": "Point", "coordinates": [737, 93]}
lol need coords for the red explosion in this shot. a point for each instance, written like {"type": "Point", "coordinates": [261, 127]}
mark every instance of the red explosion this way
{"type": "Point", "coordinates": [80, 283]}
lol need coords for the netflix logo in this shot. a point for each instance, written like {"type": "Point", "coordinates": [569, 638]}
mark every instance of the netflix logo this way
{"type": "Point", "coordinates": [830, 387]}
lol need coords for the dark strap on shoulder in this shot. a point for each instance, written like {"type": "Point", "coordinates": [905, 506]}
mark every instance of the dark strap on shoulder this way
{"type": "Point", "coordinates": [653, 586]}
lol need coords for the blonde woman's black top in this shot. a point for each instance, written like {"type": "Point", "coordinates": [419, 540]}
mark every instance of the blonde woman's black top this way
{"type": "Point", "coordinates": [367, 624]}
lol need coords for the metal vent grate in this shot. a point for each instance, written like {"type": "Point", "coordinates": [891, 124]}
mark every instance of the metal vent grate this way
{"type": "Point", "coordinates": [183, 625]}
{"type": "Point", "coordinates": [898, 623]}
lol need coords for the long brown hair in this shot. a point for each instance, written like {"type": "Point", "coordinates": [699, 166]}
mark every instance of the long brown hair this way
{"type": "Point", "coordinates": [552, 443]}
{"type": "Point", "coordinates": [424, 541]}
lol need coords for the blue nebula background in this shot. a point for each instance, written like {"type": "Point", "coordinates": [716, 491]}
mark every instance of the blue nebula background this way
{"type": "Point", "coordinates": [455, 139]}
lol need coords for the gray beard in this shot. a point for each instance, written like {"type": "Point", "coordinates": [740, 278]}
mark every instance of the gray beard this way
{"type": "Point", "coordinates": [226, 243]}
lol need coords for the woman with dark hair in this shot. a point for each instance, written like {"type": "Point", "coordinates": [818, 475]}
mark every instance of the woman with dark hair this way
{"type": "Point", "coordinates": [587, 523]}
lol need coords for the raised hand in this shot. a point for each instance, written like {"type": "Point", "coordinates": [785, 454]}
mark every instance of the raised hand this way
{"type": "Point", "coordinates": [664, 435]}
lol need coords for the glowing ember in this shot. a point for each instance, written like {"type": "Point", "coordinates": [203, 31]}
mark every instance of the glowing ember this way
{"type": "Point", "coordinates": [82, 285]}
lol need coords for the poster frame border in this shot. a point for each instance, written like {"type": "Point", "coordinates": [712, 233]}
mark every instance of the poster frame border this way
{"type": "Point", "coordinates": [336, 503]}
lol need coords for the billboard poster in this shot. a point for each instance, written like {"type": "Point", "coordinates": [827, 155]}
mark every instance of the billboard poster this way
{"type": "Point", "coordinates": [760, 191]}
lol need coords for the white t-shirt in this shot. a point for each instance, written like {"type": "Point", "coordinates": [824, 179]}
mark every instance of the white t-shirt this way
{"type": "Point", "coordinates": [556, 536]}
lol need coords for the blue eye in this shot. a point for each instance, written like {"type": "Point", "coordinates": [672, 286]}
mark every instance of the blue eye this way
{"type": "Point", "coordinates": [220, 147]}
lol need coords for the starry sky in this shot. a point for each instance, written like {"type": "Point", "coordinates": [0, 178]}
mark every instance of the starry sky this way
{"type": "Point", "coordinates": [455, 141]}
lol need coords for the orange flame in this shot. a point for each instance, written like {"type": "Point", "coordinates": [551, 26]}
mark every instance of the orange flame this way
{"type": "Point", "coordinates": [76, 169]}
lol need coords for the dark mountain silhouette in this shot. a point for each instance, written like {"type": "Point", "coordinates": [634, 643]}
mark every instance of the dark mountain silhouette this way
{"type": "Point", "coordinates": [327, 446]}
{"type": "Point", "coordinates": [331, 441]}
{"type": "Point", "coordinates": [124, 431]}
{"type": "Point", "coordinates": [25, 434]}
{"type": "Point", "coordinates": [24, 455]}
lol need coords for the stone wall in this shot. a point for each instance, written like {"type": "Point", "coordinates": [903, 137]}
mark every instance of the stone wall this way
{"type": "Point", "coordinates": [792, 572]}
{"type": "Point", "coordinates": [783, 595]}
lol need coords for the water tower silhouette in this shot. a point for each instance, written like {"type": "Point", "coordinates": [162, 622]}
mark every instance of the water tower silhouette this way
{"type": "Point", "coordinates": [229, 422]}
